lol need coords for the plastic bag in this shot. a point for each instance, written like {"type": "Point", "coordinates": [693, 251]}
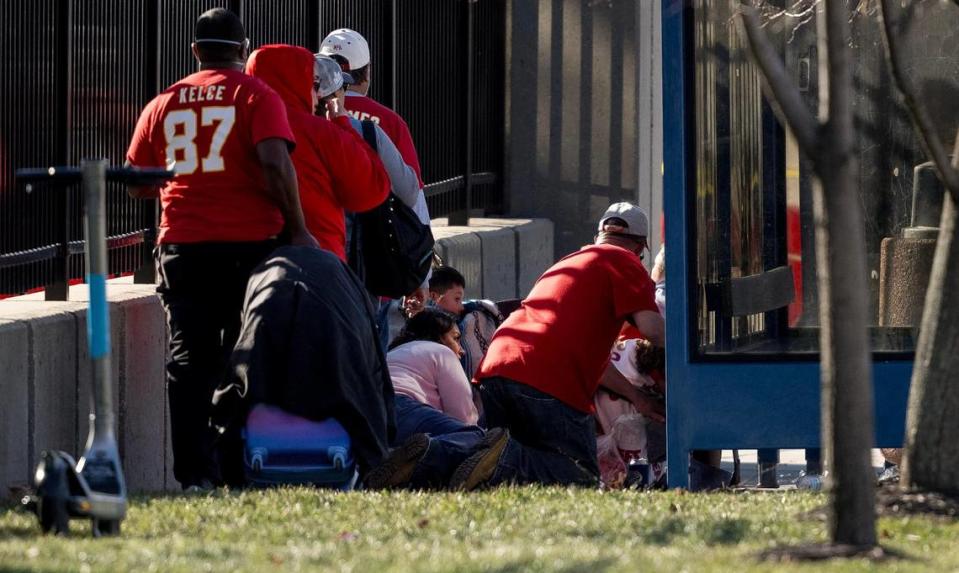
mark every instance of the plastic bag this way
{"type": "Point", "coordinates": [629, 432]}
{"type": "Point", "coordinates": [612, 468]}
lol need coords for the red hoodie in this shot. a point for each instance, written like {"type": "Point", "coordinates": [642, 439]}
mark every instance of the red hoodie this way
{"type": "Point", "coordinates": [335, 168]}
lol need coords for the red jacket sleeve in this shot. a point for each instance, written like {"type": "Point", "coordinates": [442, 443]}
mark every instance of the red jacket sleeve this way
{"type": "Point", "coordinates": [357, 175]}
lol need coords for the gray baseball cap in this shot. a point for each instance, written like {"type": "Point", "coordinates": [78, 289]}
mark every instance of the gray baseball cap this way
{"type": "Point", "coordinates": [637, 223]}
{"type": "Point", "coordinates": [329, 75]}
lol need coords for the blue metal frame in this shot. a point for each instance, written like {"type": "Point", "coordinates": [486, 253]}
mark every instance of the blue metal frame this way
{"type": "Point", "coordinates": [725, 405]}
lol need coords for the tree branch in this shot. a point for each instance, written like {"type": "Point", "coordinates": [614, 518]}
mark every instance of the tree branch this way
{"type": "Point", "coordinates": [933, 146]}
{"type": "Point", "coordinates": [783, 91]}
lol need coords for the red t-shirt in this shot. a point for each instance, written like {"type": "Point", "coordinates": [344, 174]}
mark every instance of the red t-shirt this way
{"type": "Point", "coordinates": [558, 341]}
{"type": "Point", "coordinates": [362, 107]}
{"type": "Point", "coordinates": [206, 127]}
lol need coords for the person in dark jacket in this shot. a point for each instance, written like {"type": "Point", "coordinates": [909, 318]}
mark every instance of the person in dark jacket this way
{"type": "Point", "coordinates": [308, 345]}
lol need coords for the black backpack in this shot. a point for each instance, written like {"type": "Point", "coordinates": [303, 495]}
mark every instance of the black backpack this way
{"type": "Point", "coordinates": [397, 249]}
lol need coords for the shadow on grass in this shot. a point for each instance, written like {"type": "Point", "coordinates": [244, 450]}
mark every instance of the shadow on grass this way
{"type": "Point", "coordinates": [526, 564]}
{"type": "Point", "coordinates": [826, 551]}
{"type": "Point", "coordinates": [725, 532]}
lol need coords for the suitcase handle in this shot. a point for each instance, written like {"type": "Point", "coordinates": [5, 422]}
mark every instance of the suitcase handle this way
{"type": "Point", "coordinates": [256, 459]}
{"type": "Point", "coordinates": [338, 455]}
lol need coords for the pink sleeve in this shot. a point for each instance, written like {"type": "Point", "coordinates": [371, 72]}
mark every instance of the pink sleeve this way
{"type": "Point", "coordinates": [454, 389]}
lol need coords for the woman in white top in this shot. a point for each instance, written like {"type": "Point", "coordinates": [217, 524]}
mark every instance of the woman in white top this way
{"type": "Point", "coordinates": [424, 365]}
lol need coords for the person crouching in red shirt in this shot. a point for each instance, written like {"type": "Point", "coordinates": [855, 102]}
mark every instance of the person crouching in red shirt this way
{"type": "Point", "coordinates": [227, 138]}
{"type": "Point", "coordinates": [547, 359]}
{"type": "Point", "coordinates": [335, 168]}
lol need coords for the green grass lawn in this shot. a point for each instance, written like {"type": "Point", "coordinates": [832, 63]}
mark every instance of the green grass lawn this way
{"type": "Point", "coordinates": [524, 529]}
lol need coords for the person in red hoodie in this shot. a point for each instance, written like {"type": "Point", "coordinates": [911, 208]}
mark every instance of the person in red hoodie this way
{"type": "Point", "coordinates": [336, 170]}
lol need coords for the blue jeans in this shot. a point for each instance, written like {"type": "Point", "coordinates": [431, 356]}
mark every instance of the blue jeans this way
{"type": "Point", "coordinates": [550, 442]}
{"type": "Point", "coordinates": [451, 441]}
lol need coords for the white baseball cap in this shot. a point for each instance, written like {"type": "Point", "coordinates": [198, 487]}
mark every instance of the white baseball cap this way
{"type": "Point", "coordinates": [349, 45]}
{"type": "Point", "coordinates": [637, 223]}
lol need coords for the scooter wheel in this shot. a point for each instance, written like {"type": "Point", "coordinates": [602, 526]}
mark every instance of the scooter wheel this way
{"type": "Point", "coordinates": [52, 493]}
{"type": "Point", "coordinates": [105, 527]}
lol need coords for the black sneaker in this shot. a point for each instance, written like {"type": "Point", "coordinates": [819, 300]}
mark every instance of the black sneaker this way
{"type": "Point", "coordinates": [397, 469]}
{"type": "Point", "coordinates": [479, 467]}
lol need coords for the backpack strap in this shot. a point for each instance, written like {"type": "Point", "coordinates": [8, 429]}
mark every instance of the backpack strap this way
{"type": "Point", "coordinates": [369, 133]}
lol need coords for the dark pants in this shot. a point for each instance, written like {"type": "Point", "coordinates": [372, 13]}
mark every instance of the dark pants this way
{"type": "Point", "coordinates": [451, 441]}
{"type": "Point", "coordinates": [551, 443]}
{"type": "Point", "coordinates": [202, 286]}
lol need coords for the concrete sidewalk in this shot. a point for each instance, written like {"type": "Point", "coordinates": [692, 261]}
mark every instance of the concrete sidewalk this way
{"type": "Point", "coordinates": [791, 463]}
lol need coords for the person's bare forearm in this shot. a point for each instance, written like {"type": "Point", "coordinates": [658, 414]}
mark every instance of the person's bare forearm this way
{"type": "Point", "coordinates": [651, 324]}
{"type": "Point", "coordinates": [280, 176]}
{"type": "Point", "coordinates": [615, 382]}
{"type": "Point", "coordinates": [142, 191]}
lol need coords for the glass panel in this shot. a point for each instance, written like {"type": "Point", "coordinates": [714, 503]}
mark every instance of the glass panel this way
{"type": "Point", "coordinates": [755, 290]}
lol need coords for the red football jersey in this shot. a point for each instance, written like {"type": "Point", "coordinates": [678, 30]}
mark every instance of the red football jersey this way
{"type": "Point", "coordinates": [361, 107]}
{"type": "Point", "coordinates": [205, 127]}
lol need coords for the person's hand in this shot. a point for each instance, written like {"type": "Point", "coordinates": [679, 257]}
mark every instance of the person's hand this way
{"type": "Point", "coordinates": [650, 406]}
{"type": "Point", "coordinates": [334, 107]}
{"type": "Point", "coordinates": [304, 239]}
{"type": "Point", "coordinates": [414, 302]}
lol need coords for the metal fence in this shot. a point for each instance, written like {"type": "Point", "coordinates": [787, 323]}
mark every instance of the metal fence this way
{"type": "Point", "coordinates": [74, 75]}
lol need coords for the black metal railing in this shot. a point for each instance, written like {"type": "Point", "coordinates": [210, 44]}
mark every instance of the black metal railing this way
{"type": "Point", "coordinates": [75, 74]}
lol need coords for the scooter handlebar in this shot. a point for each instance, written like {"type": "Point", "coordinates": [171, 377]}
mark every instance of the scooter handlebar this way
{"type": "Point", "coordinates": [68, 175]}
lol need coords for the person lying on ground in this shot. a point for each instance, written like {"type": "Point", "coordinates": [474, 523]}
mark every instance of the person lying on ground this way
{"type": "Point", "coordinates": [424, 365]}
{"type": "Point", "coordinates": [435, 415]}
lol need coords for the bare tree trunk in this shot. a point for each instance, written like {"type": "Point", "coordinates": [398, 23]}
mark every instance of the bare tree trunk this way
{"type": "Point", "coordinates": [847, 398]}
{"type": "Point", "coordinates": [931, 456]}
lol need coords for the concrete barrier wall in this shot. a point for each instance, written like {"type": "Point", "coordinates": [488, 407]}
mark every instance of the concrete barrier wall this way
{"type": "Point", "coordinates": [44, 364]}
{"type": "Point", "coordinates": [45, 379]}
{"type": "Point", "coordinates": [499, 258]}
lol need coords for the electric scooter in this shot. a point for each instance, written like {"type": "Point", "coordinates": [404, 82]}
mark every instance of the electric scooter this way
{"type": "Point", "coordinates": [92, 488]}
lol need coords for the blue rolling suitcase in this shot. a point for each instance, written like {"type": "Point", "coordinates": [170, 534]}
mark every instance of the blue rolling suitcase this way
{"type": "Point", "coordinates": [283, 449]}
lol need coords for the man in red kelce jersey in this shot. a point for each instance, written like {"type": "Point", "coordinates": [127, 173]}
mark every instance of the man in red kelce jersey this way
{"type": "Point", "coordinates": [227, 137]}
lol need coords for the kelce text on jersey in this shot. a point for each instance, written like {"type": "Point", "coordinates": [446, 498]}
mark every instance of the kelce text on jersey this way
{"type": "Point", "coordinates": [201, 93]}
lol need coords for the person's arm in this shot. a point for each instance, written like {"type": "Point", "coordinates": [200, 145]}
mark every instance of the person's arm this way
{"type": "Point", "coordinates": [652, 325]}
{"type": "Point", "coordinates": [142, 191]}
{"type": "Point", "coordinates": [404, 144]}
{"type": "Point", "coordinates": [455, 391]}
{"type": "Point", "coordinates": [141, 154]}
{"type": "Point", "coordinates": [403, 179]}
{"type": "Point", "coordinates": [280, 176]}
{"type": "Point", "coordinates": [647, 405]}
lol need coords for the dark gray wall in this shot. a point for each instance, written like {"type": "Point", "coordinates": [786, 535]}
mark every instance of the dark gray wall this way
{"type": "Point", "coordinates": [578, 117]}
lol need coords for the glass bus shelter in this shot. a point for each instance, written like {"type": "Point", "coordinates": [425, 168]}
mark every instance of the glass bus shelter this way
{"type": "Point", "coordinates": [742, 299]}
